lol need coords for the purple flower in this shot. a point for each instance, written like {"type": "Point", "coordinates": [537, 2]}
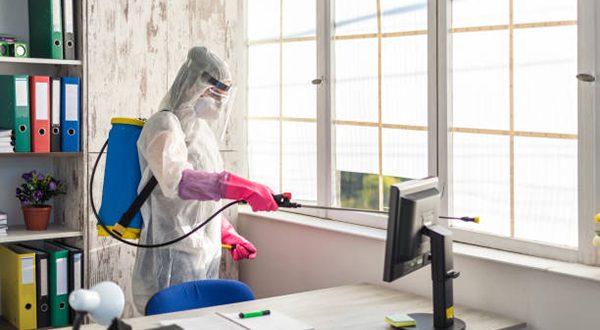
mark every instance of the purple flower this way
{"type": "Point", "coordinates": [37, 195]}
{"type": "Point", "coordinates": [27, 176]}
{"type": "Point", "coordinates": [52, 186]}
{"type": "Point", "coordinates": [25, 203]}
{"type": "Point", "coordinates": [40, 177]}
{"type": "Point", "coordinates": [18, 191]}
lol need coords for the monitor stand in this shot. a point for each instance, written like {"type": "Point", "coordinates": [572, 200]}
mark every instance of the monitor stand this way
{"type": "Point", "coordinates": [442, 274]}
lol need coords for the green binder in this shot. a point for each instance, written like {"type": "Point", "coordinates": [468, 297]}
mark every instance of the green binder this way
{"type": "Point", "coordinates": [59, 280]}
{"type": "Point", "coordinates": [14, 109]}
{"type": "Point", "coordinates": [45, 29]}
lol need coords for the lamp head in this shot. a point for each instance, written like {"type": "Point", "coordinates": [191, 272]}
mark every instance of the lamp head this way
{"type": "Point", "coordinates": [103, 302]}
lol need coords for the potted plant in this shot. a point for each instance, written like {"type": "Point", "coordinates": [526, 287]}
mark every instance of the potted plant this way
{"type": "Point", "coordinates": [33, 194]}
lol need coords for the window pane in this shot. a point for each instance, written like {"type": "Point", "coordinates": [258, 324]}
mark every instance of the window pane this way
{"type": "Point", "coordinates": [263, 80]}
{"type": "Point", "coordinates": [529, 11]}
{"type": "Point", "coordinates": [299, 69]}
{"type": "Point", "coordinates": [407, 15]}
{"type": "Point", "coordinates": [481, 181]}
{"type": "Point", "coordinates": [263, 19]}
{"type": "Point", "coordinates": [405, 153]}
{"type": "Point", "coordinates": [356, 149]}
{"type": "Point", "coordinates": [469, 13]}
{"type": "Point", "coordinates": [546, 190]}
{"type": "Point", "coordinates": [299, 18]}
{"type": "Point", "coordinates": [480, 80]}
{"type": "Point", "coordinates": [356, 80]}
{"type": "Point", "coordinates": [404, 80]}
{"type": "Point", "coordinates": [355, 16]}
{"type": "Point", "coordinates": [300, 160]}
{"type": "Point", "coordinates": [263, 152]}
{"type": "Point", "coordinates": [545, 84]}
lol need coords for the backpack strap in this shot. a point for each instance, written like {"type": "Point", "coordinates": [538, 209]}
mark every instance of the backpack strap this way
{"type": "Point", "coordinates": [136, 205]}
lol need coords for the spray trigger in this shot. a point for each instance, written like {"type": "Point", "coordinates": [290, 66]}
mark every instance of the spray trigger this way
{"type": "Point", "coordinates": [284, 200]}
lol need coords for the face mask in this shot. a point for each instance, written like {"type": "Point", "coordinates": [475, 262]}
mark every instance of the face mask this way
{"type": "Point", "coordinates": [207, 108]}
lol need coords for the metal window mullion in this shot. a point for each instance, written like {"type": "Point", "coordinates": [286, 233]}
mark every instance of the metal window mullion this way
{"type": "Point", "coordinates": [379, 108]}
{"type": "Point", "coordinates": [325, 139]}
{"type": "Point", "coordinates": [511, 102]}
{"type": "Point", "coordinates": [588, 133]}
{"type": "Point", "coordinates": [440, 92]}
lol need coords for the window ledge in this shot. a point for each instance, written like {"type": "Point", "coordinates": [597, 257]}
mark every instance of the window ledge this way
{"type": "Point", "coordinates": [575, 270]}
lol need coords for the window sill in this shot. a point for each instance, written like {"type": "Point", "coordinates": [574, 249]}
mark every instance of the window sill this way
{"type": "Point", "coordinates": [575, 270]}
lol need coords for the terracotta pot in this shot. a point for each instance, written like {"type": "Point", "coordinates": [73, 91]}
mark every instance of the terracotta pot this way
{"type": "Point", "coordinates": [36, 218]}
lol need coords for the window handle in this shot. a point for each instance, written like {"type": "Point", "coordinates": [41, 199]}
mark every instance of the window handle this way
{"type": "Point", "coordinates": [586, 77]}
{"type": "Point", "coordinates": [317, 81]}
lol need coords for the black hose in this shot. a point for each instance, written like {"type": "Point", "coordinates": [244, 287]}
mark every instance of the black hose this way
{"type": "Point", "coordinates": [148, 246]}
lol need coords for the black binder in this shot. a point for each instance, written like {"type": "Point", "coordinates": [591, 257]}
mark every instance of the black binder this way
{"type": "Point", "coordinates": [42, 287]}
{"type": "Point", "coordinates": [55, 132]}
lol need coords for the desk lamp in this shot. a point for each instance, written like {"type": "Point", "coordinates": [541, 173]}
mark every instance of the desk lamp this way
{"type": "Point", "coordinates": [104, 303]}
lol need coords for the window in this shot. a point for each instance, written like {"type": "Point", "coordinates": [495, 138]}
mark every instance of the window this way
{"type": "Point", "coordinates": [514, 118]}
{"type": "Point", "coordinates": [480, 93]}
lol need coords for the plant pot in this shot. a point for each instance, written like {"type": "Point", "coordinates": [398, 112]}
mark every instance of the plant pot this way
{"type": "Point", "coordinates": [36, 218]}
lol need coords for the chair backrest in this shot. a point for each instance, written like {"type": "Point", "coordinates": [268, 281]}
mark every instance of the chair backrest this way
{"type": "Point", "coordinates": [198, 294]}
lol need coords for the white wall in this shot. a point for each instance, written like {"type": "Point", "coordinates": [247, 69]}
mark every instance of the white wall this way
{"type": "Point", "coordinates": [293, 258]}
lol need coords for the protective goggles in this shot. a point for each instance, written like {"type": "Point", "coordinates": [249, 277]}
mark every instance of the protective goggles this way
{"type": "Point", "coordinates": [219, 91]}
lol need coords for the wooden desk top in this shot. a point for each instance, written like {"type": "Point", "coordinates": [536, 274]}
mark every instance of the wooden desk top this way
{"type": "Point", "coordinates": [361, 306]}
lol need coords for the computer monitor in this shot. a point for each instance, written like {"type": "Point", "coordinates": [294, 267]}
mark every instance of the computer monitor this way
{"type": "Point", "coordinates": [415, 240]}
{"type": "Point", "coordinates": [412, 205]}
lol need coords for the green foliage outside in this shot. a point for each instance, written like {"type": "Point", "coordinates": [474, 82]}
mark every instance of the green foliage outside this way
{"type": "Point", "coordinates": [361, 190]}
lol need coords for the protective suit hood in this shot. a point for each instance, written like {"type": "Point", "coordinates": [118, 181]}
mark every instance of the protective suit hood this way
{"type": "Point", "coordinates": [202, 88]}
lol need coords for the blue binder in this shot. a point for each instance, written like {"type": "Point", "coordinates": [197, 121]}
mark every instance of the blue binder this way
{"type": "Point", "coordinates": [70, 120]}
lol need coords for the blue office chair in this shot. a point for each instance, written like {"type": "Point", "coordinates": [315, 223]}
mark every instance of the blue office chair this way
{"type": "Point", "coordinates": [198, 294]}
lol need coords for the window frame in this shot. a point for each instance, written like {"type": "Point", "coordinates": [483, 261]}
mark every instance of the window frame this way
{"type": "Point", "coordinates": [439, 104]}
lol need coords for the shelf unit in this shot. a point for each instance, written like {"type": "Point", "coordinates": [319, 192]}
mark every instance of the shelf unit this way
{"type": "Point", "coordinates": [54, 231]}
{"type": "Point", "coordinates": [69, 212]}
{"type": "Point", "coordinates": [41, 61]}
{"type": "Point", "coordinates": [40, 154]}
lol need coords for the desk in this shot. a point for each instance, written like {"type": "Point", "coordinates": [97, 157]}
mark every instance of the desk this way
{"type": "Point", "coordinates": [361, 306]}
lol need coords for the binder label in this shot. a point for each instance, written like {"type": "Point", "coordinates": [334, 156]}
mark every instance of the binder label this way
{"type": "Point", "coordinates": [41, 101]}
{"type": "Point", "coordinates": [44, 277]}
{"type": "Point", "coordinates": [77, 271]}
{"type": "Point", "coordinates": [56, 22]}
{"type": "Point", "coordinates": [71, 112]}
{"type": "Point", "coordinates": [69, 16]}
{"type": "Point", "coordinates": [21, 91]}
{"type": "Point", "coordinates": [56, 102]}
{"type": "Point", "coordinates": [27, 270]}
{"type": "Point", "coordinates": [61, 276]}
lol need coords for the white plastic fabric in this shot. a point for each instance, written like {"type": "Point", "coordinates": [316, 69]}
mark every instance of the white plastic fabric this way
{"type": "Point", "coordinates": [170, 142]}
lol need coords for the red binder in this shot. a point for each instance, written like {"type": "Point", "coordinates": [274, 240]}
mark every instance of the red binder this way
{"type": "Point", "coordinates": [40, 113]}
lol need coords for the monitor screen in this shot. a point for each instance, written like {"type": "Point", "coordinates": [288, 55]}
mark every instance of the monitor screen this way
{"type": "Point", "coordinates": [412, 204]}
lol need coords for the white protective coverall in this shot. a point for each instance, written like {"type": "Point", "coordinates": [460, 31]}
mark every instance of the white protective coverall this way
{"type": "Point", "coordinates": [171, 142]}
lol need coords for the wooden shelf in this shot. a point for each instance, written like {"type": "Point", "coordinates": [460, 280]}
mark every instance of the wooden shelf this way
{"type": "Point", "coordinates": [43, 61]}
{"type": "Point", "coordinates": [41, 154]}
{"type": "Point", "coordinates": [20, 234]}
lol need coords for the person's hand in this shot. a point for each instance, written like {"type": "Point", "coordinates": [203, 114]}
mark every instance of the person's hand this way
{"type": "Point", "coordinates": [241, 247]}
{"type": "Point", "coordinates": [259, 196]}
{"type": "Point", "coordinates": [244, 250]}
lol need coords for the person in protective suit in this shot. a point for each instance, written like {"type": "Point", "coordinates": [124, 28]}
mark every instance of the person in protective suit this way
{"type": "Point", "coordinates": [179, 146]}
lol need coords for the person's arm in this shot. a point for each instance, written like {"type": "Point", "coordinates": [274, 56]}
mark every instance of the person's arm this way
{"type": "Point", "coordinates": [201, 185]}
{"type": "Point", "coordinates": [162, 145]}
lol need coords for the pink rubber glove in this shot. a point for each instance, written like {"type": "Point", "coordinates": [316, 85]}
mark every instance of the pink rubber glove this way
{"type": "Point", "coordinates": [243, 249]}
{"type": "Point", "coordinates": [259, 197]}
